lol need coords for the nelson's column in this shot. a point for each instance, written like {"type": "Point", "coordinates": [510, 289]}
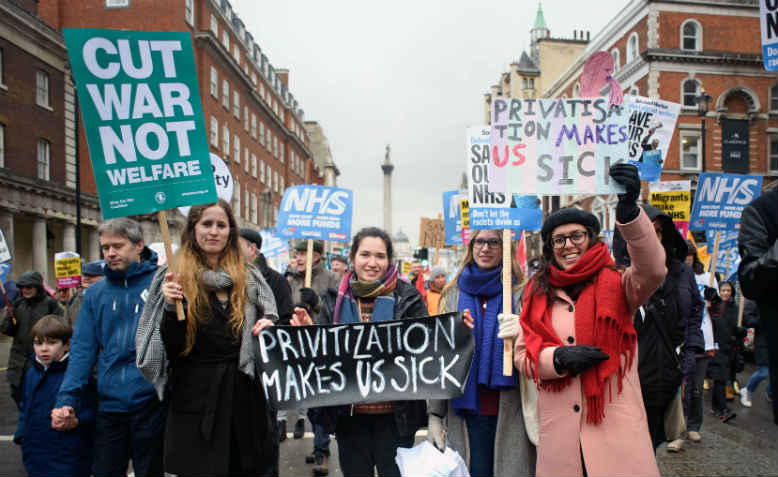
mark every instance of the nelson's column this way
{"type": "Point", "coordinates": [387, 167]}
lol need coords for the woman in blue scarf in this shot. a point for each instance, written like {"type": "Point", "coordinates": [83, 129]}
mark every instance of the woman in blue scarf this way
{"type": "Point", "coordinates": [486, 424]}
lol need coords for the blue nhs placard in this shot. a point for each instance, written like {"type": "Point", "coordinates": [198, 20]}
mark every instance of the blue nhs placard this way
{"type": "Point", "coordinates": [721, 198]}
{"type": "Point", "coordinates": [452, 220]}
{"type": "Point", "coordinates": [315, 212]}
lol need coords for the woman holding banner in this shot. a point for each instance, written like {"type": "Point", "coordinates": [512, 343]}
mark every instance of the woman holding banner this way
{"type": "Point", "coordinates": [579, 344]}
{"type": "Point", "coordinates": [369, 434]}
{"type": "Point", "coordinates": [486, 424]}
{"type": "Point", "coordinates": [218, 422]}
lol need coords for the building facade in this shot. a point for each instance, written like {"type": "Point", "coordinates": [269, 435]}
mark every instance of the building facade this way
{"type": "Point", "coordinates": [678, 50]}
{"type": "Point", "coordinates": [325, 168]}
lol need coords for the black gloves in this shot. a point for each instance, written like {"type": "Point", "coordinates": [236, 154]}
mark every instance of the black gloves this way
{"type": "Point", "coordinates": [577, 359]}
{"type": "Point", "coordinates": [709, 293]}
{"type": "Point", "coordinates": [626, 174]}
{"type": "Point", "coordinates": [740, 332]}
{"type": "Point", "coordinates": [309, 297]}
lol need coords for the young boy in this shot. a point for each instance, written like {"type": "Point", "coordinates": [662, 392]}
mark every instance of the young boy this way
{"type": "Point", "coordinates": [46, 451]}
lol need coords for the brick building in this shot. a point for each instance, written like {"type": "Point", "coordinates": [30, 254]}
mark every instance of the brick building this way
{"type": "Point", "coordinates": [675, 50]}
{"type": "Point", "coordinates": [253, 121]}
{"type": "Point", "coordinates": [37, 144]}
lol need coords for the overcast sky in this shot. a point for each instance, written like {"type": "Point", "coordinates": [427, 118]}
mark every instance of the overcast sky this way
{"type": "Point", "coordinates": [407, 73]}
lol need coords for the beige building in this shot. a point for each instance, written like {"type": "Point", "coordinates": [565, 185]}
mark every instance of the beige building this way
{"type": "Point", "coordinates": [548, 57]}
{"type": "Point", "coordinates": [322, 154]}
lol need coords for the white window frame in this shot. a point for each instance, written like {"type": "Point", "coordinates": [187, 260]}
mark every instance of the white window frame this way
{"type": "Point", "coordinates": [215, 26]}
{"type": "Point", "coordinates": [275, 181]}
{"type": "Point", "coordinates": [246, 163]}
{"type": "Point", "coordinates": [262, 90]}
{"type": "Point", "coordinates": [43, 89]}
{"type": "Point", "coordinates": [225, 140]}
{"type": "Point", "coordinates": [236, 53]}
{"type": "Point", "coordinates": [253, 208]}
{"type": "Point", "coordinates": [189, 12]}
{"type": "Point", "coordinates": [214, 132]}
{"type": "Point", "coordinates": [236, 148]}
{"type": "Point", "coordinates": [616, 55]}
{"type": "Point", "coordinates": [683, 92]}
{"type": "Point", "coordinates": [253, 165]}
{"type": "Point", "coordinates": [226, 94]}
{"type": "Point", "coordinates": [632, 54]}
{"type": "Point", "coordinates": [269, 139]}
{"type": "Point", "coordinates": [246, 211]}
{"type": "Point", "coordinates": [2, 83]}
{"type": "Point", "coordinates": [689, 133]}
{"type": "Point", "coordinates": [226, 40]}
{"type": "Point", "coordinates": [772, 136]}
{"type": "Point", "coordinates": [254, 126]}
{"type": "Point", "coordinates": [236, 104]}
{"type": "Point", "coordinates": [697, 36]}
{"type": "Point", "coordinates": [2, 145]}
{"type": "Point", "coordinates": [261, 133]}
{"type": "Point", "coordinates": [215, 83]}
{"type": "Point", "coordinates": [283, 184]}
{"type": "Point", "coordinates": [281, 152]}
{"type": "Point", "coordinates": [43, 154]}
{"type": "Point", "coordinates": [262, 171]}
{"type": "Point", "coordinates": [275, 147]}
{"type": "Point", "coordinates": [772, 94]}
{"type": "Point", "coordinates": [236, 199]}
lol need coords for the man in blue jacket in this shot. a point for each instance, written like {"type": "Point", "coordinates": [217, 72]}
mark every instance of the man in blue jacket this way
{"type": "Point", "coordinates": [130, 419]}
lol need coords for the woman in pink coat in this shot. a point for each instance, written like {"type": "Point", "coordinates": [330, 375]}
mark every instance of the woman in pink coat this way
{"type": "Point", "coordinates": [578, 343]}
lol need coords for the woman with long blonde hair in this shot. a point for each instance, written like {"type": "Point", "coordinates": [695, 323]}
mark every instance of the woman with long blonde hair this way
{"type": "Point", "coordinates": [486, 424]}
{"type": "Point", "coordinates": [218, 422]}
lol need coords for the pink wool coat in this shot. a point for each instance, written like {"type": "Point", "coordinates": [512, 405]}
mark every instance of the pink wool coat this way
{"type": "Point", "coordinates": [620, 444]}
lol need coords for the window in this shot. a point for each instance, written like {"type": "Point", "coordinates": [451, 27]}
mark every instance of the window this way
{"type": "Point", "coordinates": [690, 151]}
{"type": "Point", "coordinates": [246, 118]}
{"type": "Point", "coordinates": [214, 132]}
{"type": "Point", "coordinates": [616, 62]}
{"type": "Point", "coordinates": [254, 126]}
{"type": "Point", "coordinates": [2, 145]}
{"type": "Point", "coordinates": [577, 90]}
{"type": "Point", "coordinates": [236, 199]}
{"type": "Point", "coordinates": [691, 88]}
{"type": "Point", "coordinates": [253, 165]}
{"type": "Point", "coordinates": [283, 187]}
{"type": "Point", "coordinates": [774, 98]}
{"type": "Point", "coordinates": [236, 104]}
{"type": "Point", "coordinates": [236, 53]}
{"type": "Point", "coordinates": [269, 175]}
{"type": "Point", "coordinates": [215, 26]}
{"type": "Point", "coordinates": [253, 78]}
{"type": "Point", "coordinates": [253, 208]}
{"type": "Point", "coordinates": [772, 160]}
{"type": "Point", "coordinates": [691, 36]}
{"type": "Point", "coordinates": [262, 90]}
{"type": "Point", "coordinates": [632, 47]}
{"type": "Point", "coordinates": [532, 83]}
{"type": "Point", "coordinates": [44, 159]}
{"type": "Point", "coordinates": [275, 181]}
{"type": "Point", "coordinates": [246, 160]}
{"type": "Point", "coordinates": [226, 94]}
{"type": "Point", "coordinates": [236, 148]}
{"type": "Point", "coordinates": [226, 140]}
{"type": "Point", "coordinates": [269, 145]}
{"type": "Point", "coordinates": [281, 152]}
{"type": "Point", "coordinates": [275, 147]}
{"type": "Point", "coordinates": [1, 67]}
{"type": "Point", "coordinates": [634, 91]}
{"type": "Point", "coordinates": [262, 171]}
{"type": "Point", "coordinates": [189, 12]}
{"type": "Point", "coordinates": [226, 40]}
{"type": "Point", "coordinates": [215, 83]}
{"type": "Point", "coordinates": [42, 89]}
{"type": "Point", "coordinates": [246, 204]}
{"type": "Point", "coordinates": [262, 133]}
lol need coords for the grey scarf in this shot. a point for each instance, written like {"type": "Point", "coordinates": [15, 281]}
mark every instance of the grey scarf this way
{"type": "Point", "coordinates": [149, 349]}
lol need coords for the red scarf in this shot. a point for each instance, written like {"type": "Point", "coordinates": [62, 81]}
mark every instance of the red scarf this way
{"type": "Point", "coordinates": [602, 319]}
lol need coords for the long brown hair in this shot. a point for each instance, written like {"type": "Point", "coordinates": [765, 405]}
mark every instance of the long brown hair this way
{"type": "Point", "coordinates": [518, 276]}
{"type": "Point", "coordinates": [191, 262]}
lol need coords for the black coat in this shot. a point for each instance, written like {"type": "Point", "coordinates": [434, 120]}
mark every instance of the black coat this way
{"type": "Point", "coordinates": [723, 316]}
{"type": "Point", "coordinates": [409, 416]}
{"type": "Point", "coordinates": [218, 422]}
{"type": "Point", "coordinates": [751, 319]}
{"type": "Point", "coordinates": [282, 293]}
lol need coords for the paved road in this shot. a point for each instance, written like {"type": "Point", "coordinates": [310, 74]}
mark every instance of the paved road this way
{"type": "Point", "coordinates": [746, 446]}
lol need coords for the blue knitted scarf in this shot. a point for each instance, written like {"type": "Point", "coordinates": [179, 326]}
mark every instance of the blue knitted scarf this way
{"type": "Point", "coordinates": [474, 285]}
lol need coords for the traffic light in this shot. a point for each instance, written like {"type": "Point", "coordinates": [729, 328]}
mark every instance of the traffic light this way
{"type": "Point", "coordinates": [421, 254]}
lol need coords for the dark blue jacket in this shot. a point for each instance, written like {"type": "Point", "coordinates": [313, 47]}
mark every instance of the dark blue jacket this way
{"type": "Point", "coordinates": [46, 452]}
{"type": "Point", "coordinates": [105, 333]}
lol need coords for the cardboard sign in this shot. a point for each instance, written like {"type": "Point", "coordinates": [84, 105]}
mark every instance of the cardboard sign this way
{"type": "Point", "coordinates": [315, 212]}
{"type": "Point", "coordinates": [405, 268]}
{"type": "Point", "coordinates": [523, 214]}
{"type": "Point", "coordinates": [768, 20]}
{"type": "Point", "coordinates": [674, 199]}
{"type": "Point", "coordinates": [5, 252]}
{"type": "Point", "coordinates": [721, 198]}
{"type": "Point", "coordinates": [67, 269]}
{"type": "Point", "coordinates": [651, 127]}
{"type": "Point", "coordinates": [550, 147]}
{"type": "Point", "coordinates": [728, 258]}
{"type": "Point", "coordinates": [222, 177]}
{"type": "Point", "coordinates": [431, 233]}
{"type": "Point", "coordinates": [139, 97]}
{"type": "Point", "coordinates": [314, 366]}
{"type": "Point", "coordinates": [452, 216]}
{"type": "Point", "coordinates": [272, 246]}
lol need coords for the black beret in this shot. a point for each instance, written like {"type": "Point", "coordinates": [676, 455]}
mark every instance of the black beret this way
{"type": "Point", "coordinates": [570, 215]}
{"type": "Point", "coordinates": [252, 236]}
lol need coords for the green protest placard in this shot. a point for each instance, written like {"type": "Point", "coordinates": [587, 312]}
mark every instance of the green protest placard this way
{"type": "Point", "coordinates": [140, 103]}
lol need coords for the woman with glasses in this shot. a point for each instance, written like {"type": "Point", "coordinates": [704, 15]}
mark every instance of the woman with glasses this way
{"type": "Point", "coordinates": [485, 425]}
{"type": "Point", "coordinates": [579, 344]}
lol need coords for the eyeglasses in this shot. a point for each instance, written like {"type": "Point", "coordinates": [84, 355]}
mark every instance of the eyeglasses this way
{"type": "Point", "coordinates": [492, 243]}
{"type": "Point", "coordinates": [577, 238]}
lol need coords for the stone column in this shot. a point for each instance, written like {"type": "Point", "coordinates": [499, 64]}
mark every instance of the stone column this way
{"type": "Point", "coordinates": [40, 261]}
{"type": "Point", "coordinates": [68, 237]}
{"type": "Point", "coordinates": [94, 245]}
{"type": "Point", "coordinates": [387, 167]}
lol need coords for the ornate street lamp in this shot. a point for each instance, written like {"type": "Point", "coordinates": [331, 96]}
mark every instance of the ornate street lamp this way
{"type": "Point", "coordinates": [702, 110]}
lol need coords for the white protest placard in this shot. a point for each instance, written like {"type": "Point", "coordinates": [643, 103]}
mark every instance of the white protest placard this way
{"type": "Point", "coordinates": [5, 252]}
{"type": "Point", "coordinates": [651, 127]}
{"type": "Point", "coordinates": [768, 20]}
{"type": "Point", "coordinates": [225, 186]}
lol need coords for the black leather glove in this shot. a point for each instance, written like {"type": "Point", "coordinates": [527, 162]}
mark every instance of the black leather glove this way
{"type": "Point", "coordinates": [740, 332]}
{"type": "Point", "coordinates": [577, 359]}
{"type": "Point", "coordinates": [709, 293]}
{"type": "Point", "coordinates": [626, 174]}
{"type": "Point", "coordinates": [309, 297]}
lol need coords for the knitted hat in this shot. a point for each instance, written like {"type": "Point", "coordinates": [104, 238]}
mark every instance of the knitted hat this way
{"type": "Point", "coordinates": [302, 246]}
{"type": "Point", "coordinates": [30, 278]}
{"type": "Point", "coordinates": [570, 215]}
{"type": "Point", "coordinates": [436, 272]}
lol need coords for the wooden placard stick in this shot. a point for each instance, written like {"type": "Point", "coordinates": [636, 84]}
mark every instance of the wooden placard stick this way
{"type": "Point", "coordinates": [171, 266]}
{"type": "Point", "coordinates": [8, 304]}
{"type": "Point", "coordinates": [714, 258]}
{"type": "Point", "coordinates": [740, 311]}
{"type": "Point", "coordinates": [507, 300]}
{"type": "Point", "coordinates": [308, 263]}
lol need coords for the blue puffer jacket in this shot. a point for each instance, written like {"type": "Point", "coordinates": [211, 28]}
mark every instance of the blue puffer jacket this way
{"type": "Point", "coordinates": [105, 332]}
{"type": "Point", "coordinates": [46, 452]}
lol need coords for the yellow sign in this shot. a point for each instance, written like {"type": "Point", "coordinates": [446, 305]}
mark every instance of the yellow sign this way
{"type": "Point", "coordinates": [406, 268]}
{"type": "Point", "coordinates": [464, 213]}
{"type": "Point", "coordinates": [67, 269]}
{"type": "Point", "coordinates": [673, 198]}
